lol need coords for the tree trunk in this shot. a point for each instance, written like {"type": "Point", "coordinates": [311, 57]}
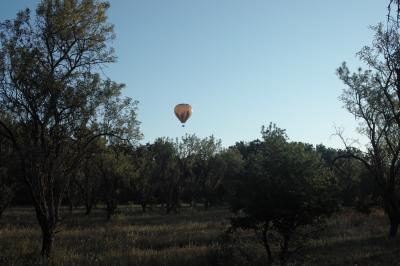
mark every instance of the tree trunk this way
{"type": "Point", "coordinates": [144, 207]}
{"type": "Point", "coordinates": [48, 225]}
{"type": "Point", "coordinates": [168, 209]}
{"type": "Point", "coordinates": [109, 215]}
{"type": "Point", "coordinates": [48, 236]}
{"type": "Point", "coordinates": [88, 209]}
{"type": "Point", "coordinates": [266, 245]}
{"type": "Point", "coordinates": [2, 209]}
{"type": "Point", "coordinates": [110, 212]}
{"type": "Point", "coordinates": [394, 222]}
{"type": "Point", "coordinates": [206, 205]}
{"type": "Point", "coordinates": [393, 212]}
{"type": "Point", "coordinates": [393, 228]}
{"type": "Point", "coordinates": [4, 206]}
{"type": "Point", "coordinates": [111, 207]}
{"type": "Point", "coordinates": [47, 216]}
{"type": "Point", "coordinates": [70, 207]}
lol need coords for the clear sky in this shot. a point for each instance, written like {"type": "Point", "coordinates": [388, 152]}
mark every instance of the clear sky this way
{"type": "Point", "coordinates": [240, 63]}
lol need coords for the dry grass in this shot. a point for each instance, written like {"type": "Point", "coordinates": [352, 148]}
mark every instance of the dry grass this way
{"type": "Point", "coordinates": [188, 238]}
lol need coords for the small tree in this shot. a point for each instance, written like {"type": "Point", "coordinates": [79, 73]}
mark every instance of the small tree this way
{"type": "Point", "coordinates": [284, 188]}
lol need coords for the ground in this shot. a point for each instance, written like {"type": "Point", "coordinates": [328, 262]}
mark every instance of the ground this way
{"type": "Point", "coordinates": [192, 237]}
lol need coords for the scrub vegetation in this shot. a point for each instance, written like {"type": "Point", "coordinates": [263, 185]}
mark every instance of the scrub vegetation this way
{"type": "Point", "coordinates": [70, 152]}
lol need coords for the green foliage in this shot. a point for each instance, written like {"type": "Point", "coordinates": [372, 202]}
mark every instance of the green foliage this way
{"type": "Point", "coordinates": [285, 186]}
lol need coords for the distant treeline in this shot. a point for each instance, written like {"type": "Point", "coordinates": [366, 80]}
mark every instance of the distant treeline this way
{"type": "Point", "coordinates": [190, 170]}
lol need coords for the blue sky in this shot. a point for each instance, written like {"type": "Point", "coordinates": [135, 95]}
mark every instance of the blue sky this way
{"type": "Point", "coordinates": [240, 63]}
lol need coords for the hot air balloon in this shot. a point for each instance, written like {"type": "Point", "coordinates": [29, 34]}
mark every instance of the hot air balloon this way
{"type": "Point", "coordinates": [183, 111]}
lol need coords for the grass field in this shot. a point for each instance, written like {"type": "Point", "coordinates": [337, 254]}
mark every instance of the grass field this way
{"type": "Point", "coordinates": [192, 237]}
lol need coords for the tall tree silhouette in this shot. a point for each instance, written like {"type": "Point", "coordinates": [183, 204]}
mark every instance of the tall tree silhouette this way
{"type": "Point", "coordinates": [55, 101]}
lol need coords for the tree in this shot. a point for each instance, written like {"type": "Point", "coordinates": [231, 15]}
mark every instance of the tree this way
{"type": "Point", "coordinates": [202, 168]}
{"type": "Point", "coordinates": [208, 169]}
{"type": "Point", "coordinates": [168, 172]}
{"type": "Point", "coordinates": [373, 97]}
{"type": "Point", "coordinates": [187, 148]}
{"type": "Point", "coordinates": [88, 180]}
{"type": "Point", "coordinates": [144, 182]}
{"type": "Point", "coordinates": [55, 102]}
{"type": "Point", "coordinates": [115, 168]}
{"type": "Point", "coordinates": [157, 175]}
{"type": "Point", "coordinates": [233, 164]}
{"type": "Point", "coordinates": [284, 189]}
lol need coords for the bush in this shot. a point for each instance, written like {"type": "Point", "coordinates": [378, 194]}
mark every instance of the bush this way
{"type": "Point", "coordinates": [284, 192]}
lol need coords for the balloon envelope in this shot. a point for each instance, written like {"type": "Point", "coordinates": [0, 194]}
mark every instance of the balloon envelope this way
{"type": "Point", "coordinates": [183, 112]}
